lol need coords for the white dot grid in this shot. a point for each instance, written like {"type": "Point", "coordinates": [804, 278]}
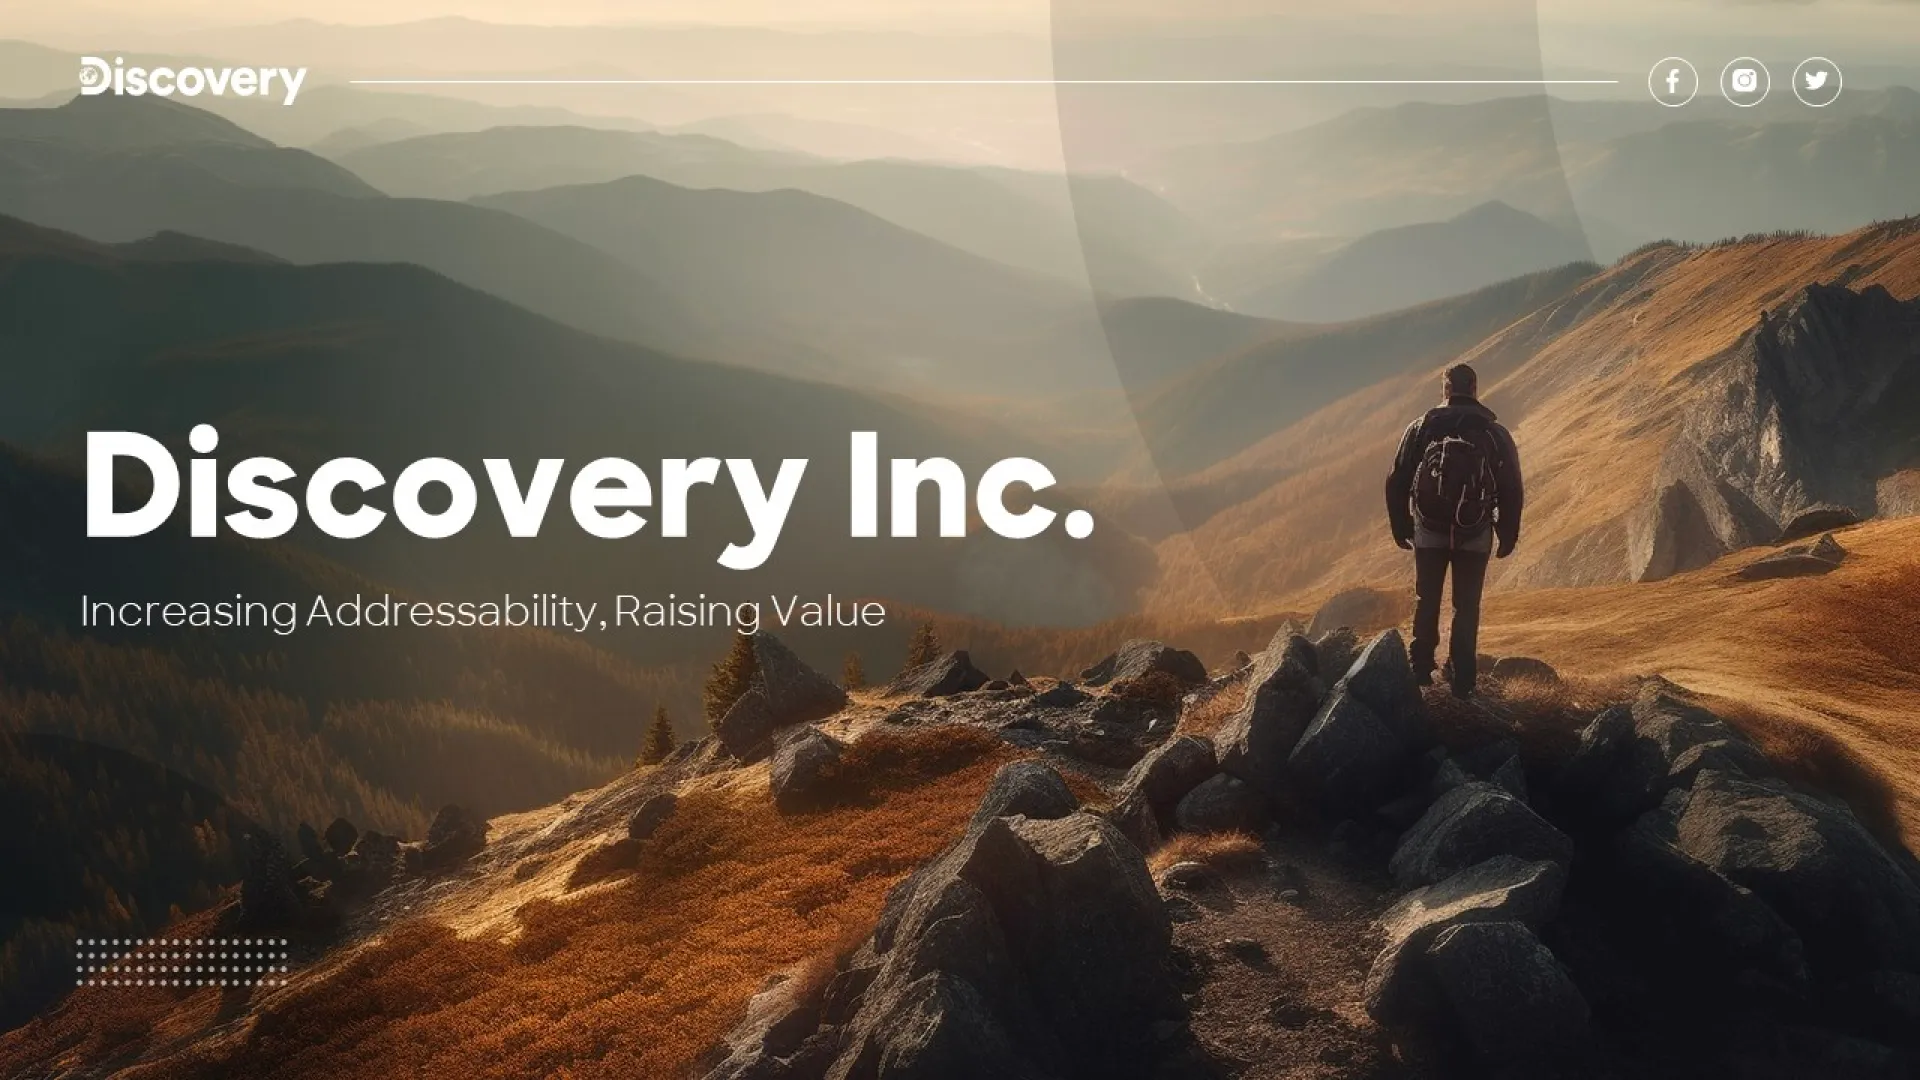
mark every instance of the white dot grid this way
{"type": "Point", "coordinates": [180, 962]}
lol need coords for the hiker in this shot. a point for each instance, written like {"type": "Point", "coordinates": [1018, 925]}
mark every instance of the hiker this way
{"type": "Point", "coordinates": [1454, 497]}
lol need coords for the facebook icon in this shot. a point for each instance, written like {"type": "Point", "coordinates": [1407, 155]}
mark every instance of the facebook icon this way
{"type": "Point", "coordinates": [1673, 82]}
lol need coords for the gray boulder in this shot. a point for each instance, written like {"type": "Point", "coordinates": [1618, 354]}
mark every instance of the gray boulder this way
{"type": "Point", "coordinates": [340, 836]}
{"type": "Point", "coordinates": [803, 762]}
{"type": "Point", "coordinates": [1468, 825]}
{"type": "Point", "coordinates": [1171, 770]}
{"type": "Point", "coordinates": [1027, 788]}
{"type": "Point", "coordinates": [456, 835]}
{"type": "Point", "coordinates": [1336, 651]}
{"type": "Point", "coordinates": [1502, 889]}
{"type": "Point", "coordinates": [1816, 519]}
{"type": "Point", "coordinates": [1223, 803]}
{"type": "Point", "coordinates": [1030, 949]}
{"type": "Point", "coordinates": [651, 814]}
{"type": "Point", "coordinates": [1856, 908]}
{"type": "Point", "coordinates": [1625, 767]}
{"type": "Point", "coordinates": [951, 674]}
{"type": "Point", "coordinates": [1382, 679]}
{"type": "Point", "coordinates": [1523, 667]}
{"type": "Point", "coordinates": [746, 731]}
{"type": "Point", "coordinates": [1165, 775]}
{"type": "Point", "coordinates": [795, 693]}
{"type": "Point", "coordinates": [1062, 695]}
{"type": "Point", "coordinates": [1283, 693]}
{"type": "Point", "coordinates": [1506, 993]}
{"type": "Point", "coordinates": [1801, 560]}
{"type": "Point", "coordinates": [1348, 758]}
{"type": "Point", "coordinates": [1694, 908]}
{"type": "Point", "coordinates": [1137, 658]}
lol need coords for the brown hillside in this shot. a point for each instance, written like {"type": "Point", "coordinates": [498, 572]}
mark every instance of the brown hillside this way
{"type": "Point", "coordinates": [1837, 657]}
{"type": "Point", "coordinates": [1595, 387]}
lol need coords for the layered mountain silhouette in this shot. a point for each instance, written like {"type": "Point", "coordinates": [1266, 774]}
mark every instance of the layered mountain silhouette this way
{"type": "Point", "coordinates": [1133, 241]}
{"type": "Point", "coordinates": [1412, 264]}
{"type": "Point", "coordinates": [880, 299]}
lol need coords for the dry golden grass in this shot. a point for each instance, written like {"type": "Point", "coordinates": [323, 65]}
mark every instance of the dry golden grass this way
{"type": "Point", "coordinates": [1823, 671]}
{"type": "Point", "coordinates": [1206, 717]}
{"type": "Point", "coordinates": [1224, 852]}
{"type": "Point", "coordinates": [1613, 388]}
{"type": "Point", "coordinates": [636, 977]}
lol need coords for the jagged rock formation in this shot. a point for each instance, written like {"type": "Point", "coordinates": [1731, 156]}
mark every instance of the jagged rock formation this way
{"type": "Point", "coordinates": [1035, 947]}
{"type": "Point", "coordinates": [951, 674]}
{"type": "Point", "coordinates": [1800, 560]}
{"type": "Point", "coordinates": [1816, 406]}
{"type": "Point", "coordinates": [1138, 659]}
{"type": "Point", "coordinates": [802, 765]}
{"type": "Point", "coordinates": [783, 692]}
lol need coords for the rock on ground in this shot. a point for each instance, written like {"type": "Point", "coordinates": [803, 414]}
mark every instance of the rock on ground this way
{"type": "Point", "coordinates": [456, 835]}
{"type": "Point", "coordinates": [801, 764]}
{"type": "Point", "coordinates": [1523, 667]}
{"type": "Point", "coordinates": [1032, 948]}
{"type": "Point", "coordinates": [1399, 991]}
{"type": "Point", "coordinates": [647, 819]}
{"type": "Point", "coordinates": [1468, 825]}
{"type": "Point", "coordinates": [746, 731]}
{"type": "Point", "coordinates": [795, 693]}
{"type": "Point", "coordinates": [1855, 907]}
{"type": "Point", "coordinates": [1139, 658]}
{"type": "Point", "coordinates": [1348, 758]}
{"type": "Point", "coordinates": [1223, 803]}
{"type": "Point", "coordinates": [1803, 560]}
{"type": "Point", "coordinates": [1283, 693]}
{"type": "Point", "coordinates": [951, 674]}
{"type": "Point", "coordinates": [1509, 996]}
{"type": "Point", "coordinates": [1817, 519]}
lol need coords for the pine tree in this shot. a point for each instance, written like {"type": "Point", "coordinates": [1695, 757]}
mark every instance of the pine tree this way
{"type": "Point", "coordinates": [730, 678]}
{"type": "Point", "coordinates": [659, 738]}
{"type": "Point", "coordinates": [854, 674]}
{"type": "Point", "coordinates": [925, 646]}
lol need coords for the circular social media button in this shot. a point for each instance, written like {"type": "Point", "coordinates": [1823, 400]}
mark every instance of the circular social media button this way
{"type": "Point", "coordinates": [1816, 82]}
{"type": "Point", "coordinates": [1745, 81]}
{"type": "Point", "coordinates": [1673, 82]}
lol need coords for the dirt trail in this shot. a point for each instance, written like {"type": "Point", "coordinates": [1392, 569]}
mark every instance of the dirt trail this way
{"type": "Point", "coordinates": [1279, 962]}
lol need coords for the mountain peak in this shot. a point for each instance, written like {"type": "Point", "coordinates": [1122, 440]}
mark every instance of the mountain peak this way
{"type": "Point", "coordinates": [126, 123]}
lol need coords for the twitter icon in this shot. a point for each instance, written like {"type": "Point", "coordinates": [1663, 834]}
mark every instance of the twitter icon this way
{"type": "Point", "coordinates": [1816, 82]}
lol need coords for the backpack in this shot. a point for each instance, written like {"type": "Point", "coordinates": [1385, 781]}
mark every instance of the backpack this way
{"type": "Point", "coordinates": [1453, 491]}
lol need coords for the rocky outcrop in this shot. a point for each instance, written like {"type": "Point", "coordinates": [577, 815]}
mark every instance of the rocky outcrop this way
{"type": "Point", "coordinates": [1283, 693]}
{"type": "Point", "coordinates": [1523, 667]}
{"type": "Point", "coordinates": [1817, 519]}
{"type": "Point", "coordinates": [1031, 948]}
{"type": "Point", "coordinates": [783, 692]}
{"type": "Point", "coordinates": [951, 674]}
{"type": "Point", "coordinates": [794, 692]}
{"type": "Point", "coordinates": [1468, 825]}
{"type": "Point", "coordinates": [647, 818]}
{"type": "Point", "coordinates": [1399, 991]}
{"type": "Point", "coordinates": [268, 899]}
{"type": "Point", "coordinates": [456, 835]}
{"type": "Point", "coordinates": [1801, 560]}
{"type": "Point", "coordinates": [802, 765]}
{"type": "Point", "coordinates": [1223, 803]}
{"type": "Point", "coordinates": [1138, 659]}
{"type": "Point", "coordinates": [1805, 421]}
{"type": "Point", "coordinates": [1146, 800]}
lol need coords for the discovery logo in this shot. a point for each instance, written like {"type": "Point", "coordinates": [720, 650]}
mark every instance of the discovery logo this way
{"type": "Point", "coordinates": [98, 77]}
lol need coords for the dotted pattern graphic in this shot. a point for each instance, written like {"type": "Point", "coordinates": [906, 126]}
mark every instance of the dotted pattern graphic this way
{"type": "Point", "coordinates": [180, 962]}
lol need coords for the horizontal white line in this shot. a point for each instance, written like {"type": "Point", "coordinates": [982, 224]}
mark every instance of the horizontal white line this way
{"type": "Point", "coordinates": [984, 82]}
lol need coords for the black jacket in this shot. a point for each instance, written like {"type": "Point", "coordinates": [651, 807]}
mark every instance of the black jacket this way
{"type": "Point", "coordinates": [1509, 493]}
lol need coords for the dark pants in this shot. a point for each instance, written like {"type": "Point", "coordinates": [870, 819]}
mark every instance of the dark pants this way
{"type": "Point", "coordinates": [1430, 567]}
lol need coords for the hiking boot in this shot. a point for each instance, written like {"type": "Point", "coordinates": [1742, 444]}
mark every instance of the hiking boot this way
{"type": "Point", "coordinates": [1463, 691]}
{"type": "Point", "coordinates": [1423, 678]}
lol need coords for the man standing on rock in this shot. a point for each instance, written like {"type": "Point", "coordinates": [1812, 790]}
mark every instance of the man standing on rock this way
{"type": "Point", "coordinates": [1454, 492]}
